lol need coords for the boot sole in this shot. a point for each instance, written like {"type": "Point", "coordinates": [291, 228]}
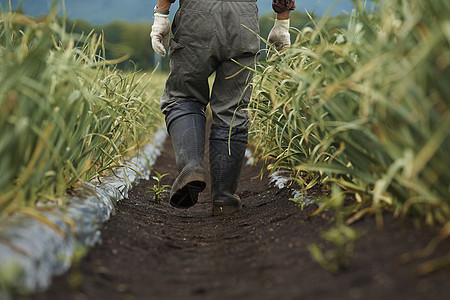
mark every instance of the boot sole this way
{"type": "Point", "coordinates": [187, 196]}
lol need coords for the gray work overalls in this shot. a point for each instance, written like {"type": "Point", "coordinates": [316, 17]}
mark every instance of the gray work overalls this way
{"type": "Point", "coordinates": [212, 36]}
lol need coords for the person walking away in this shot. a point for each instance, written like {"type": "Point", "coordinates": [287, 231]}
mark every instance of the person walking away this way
{"type": "Point", "coordinates": [211, 36]}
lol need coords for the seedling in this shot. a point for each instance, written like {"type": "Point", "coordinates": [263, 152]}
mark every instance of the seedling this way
{"type": "Point", "coordinates": [301, 201]}
{"type": "Point", "coordinates": [341, 236]}
{"type": "Point", "coordinates": [158, 188]}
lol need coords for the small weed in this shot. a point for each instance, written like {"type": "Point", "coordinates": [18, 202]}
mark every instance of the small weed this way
{"type": "Point", "coordinates": [300, 200]}
{"type": "Point", "coordinates": [158, 188]}
{"type": "Point", "coordinates": [75, 275]}
{"type": "Point", "coordinates": [342, 236]}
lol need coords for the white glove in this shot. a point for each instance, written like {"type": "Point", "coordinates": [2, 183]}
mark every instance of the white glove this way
{"type": "Point", "coordinates": [279, 36]}
{"type": "Point", "coordinates": [160, 33]}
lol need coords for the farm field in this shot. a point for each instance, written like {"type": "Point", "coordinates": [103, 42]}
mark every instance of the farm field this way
{"type": "Point", "coordinates": [153, 251]}
{"type": "Point", "coordinates": [355, 116]}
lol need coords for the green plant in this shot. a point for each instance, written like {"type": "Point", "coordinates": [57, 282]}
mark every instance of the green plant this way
{"type": "Point", "coordinates": [305, 182]}
{"type": "Point", "coordinates": [300, 200]}
{"type": "Point", "coordinates": [364, 107]}
{"type": "Point", "coordinates": [158, 189]}
{"type": "Point", "coordinates": [341, 236]}
{"type": "Point", "coordinates": [75, 275]}
{"type": "Point", "coordinates": [66, 113]}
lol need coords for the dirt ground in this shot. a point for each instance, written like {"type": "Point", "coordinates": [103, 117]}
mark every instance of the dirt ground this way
{"type": "Point", "coordinates": [154, 251]}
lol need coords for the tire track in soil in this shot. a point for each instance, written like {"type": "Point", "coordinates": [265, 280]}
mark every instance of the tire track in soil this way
{"type": "Point", "coordinates": [154, 251]}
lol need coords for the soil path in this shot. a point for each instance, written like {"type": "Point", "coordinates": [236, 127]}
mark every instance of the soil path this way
{"type": "Point", "coordinates": [154, 251]}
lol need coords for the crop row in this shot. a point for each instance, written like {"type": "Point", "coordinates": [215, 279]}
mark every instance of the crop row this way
{"type": "Point", "coordinates": [66, 113]}
{"type": "Point", "coordinates": [364, 108]}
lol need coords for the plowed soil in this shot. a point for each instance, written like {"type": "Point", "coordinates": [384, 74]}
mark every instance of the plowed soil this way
{"type": "Point", "coordinates": [154, 251]}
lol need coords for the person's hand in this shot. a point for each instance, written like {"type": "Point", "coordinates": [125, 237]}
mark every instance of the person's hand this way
{"type": "Point", "coordinates": [279, 36]}
{"type": "Point", "coordinates": [160, 33]}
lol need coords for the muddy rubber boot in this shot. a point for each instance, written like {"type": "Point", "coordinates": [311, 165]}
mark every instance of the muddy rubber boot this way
{"type": "Point", "coordinates": [226, 154]}
{"type": "Point", "coordinates": [188, 139]}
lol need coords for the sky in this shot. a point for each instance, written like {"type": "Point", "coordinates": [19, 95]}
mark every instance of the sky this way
{"type": "Point", "coordinates": [100, 12]}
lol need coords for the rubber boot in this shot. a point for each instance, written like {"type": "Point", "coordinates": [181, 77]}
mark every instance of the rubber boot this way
{"type": "Point", "coordinates": [226, 154]}
{"type": "Point", "coordinates": [188, 139]}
